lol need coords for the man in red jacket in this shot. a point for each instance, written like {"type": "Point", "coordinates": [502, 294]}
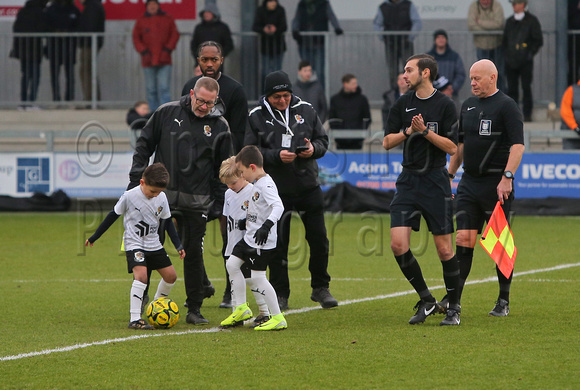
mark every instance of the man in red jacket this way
{"type": "Point", "coordinates": [155, 36]}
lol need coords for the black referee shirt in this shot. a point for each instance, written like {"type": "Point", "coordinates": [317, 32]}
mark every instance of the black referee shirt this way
{"type": "Point", "coordinates": [439, 115]}
{"type": "Point", "coordinates": [488, 127]}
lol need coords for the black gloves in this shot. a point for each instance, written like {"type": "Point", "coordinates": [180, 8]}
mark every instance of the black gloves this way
{"type": "Point", "coordinates": [261, 235]}
{"type": "Point", "coordinates": [297, 37]}
{"type": "Point", "coordinates": [215, 210]}
{"type": "Point", "coordinates": [339, 31]}
{"type": "Point", "coordinates": [242, 224]}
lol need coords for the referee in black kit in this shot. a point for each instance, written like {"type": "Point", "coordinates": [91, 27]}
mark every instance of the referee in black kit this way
{"type": "Point", "coordinates": [491, 145]}
{"type": "Point", "coordinates": [425, 120]}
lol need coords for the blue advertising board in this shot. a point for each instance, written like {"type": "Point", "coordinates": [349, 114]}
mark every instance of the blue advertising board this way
{"type": "Point", "coordinates": [540, 175]}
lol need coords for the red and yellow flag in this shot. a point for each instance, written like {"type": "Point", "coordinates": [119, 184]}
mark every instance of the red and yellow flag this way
{"type": "Point", "coordinates": [498, 241]}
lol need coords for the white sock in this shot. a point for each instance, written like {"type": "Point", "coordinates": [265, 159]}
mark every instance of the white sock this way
{"type": "Point", "coordinates": [262, 284]}
{"type": "Point", "coordinates": [163, 289]}
{"type": "Point", "coordinates": [237, 280]}
{"type": "Point", "coordinates": [136, 298]}
{"type": "Point", "coordinates": [258, 294]}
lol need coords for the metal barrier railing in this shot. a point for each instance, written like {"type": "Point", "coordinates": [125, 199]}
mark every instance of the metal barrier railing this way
{"type": "Point", "coordinates": [117, 66]}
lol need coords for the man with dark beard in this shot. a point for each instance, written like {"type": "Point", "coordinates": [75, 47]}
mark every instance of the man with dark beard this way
{"type": "Point", "coordinates": [428, 121]}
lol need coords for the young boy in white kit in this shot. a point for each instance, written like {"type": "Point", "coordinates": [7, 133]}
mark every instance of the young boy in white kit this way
{"type": "Point", "coordinates": [236, 201]}
{"type": "Point", "coordinates": [143, 207]}
{"type": "Point", "coordinates": [257, 247]}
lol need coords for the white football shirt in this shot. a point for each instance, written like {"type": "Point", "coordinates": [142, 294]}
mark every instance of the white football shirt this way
{"type": "Point", "coordinates": [265, 203]}
{"type": "Point", "coordinates": [235, 208]}
{"type": "Point", "coordinates": [141, 219]}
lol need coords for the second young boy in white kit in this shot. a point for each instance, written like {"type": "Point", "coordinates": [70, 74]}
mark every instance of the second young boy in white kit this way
{"type": "Point", "coordinates": [236, 201]}
{"type": "Point", "coordinates": [258, 244]}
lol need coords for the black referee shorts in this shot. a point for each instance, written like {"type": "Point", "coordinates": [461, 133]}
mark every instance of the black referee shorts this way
{"type": "Point", "coordinates": [256, 259]}
{"type": "Point", "coordinates": [151, 259]}
{"type": "Point", "coordinates": [428, 195]}
{"type": "Point", "coordinates": [476, 199]}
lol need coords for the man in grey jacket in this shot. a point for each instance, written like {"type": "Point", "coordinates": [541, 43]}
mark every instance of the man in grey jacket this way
{"type": "Point", "coordinates": [309, 89]}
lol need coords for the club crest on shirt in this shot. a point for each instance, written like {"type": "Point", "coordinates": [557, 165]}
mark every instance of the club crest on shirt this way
{"type": "Point", "coordinates": [245, 205]}
{"type": "Point", "coordinates": [485, 127]}
{"type": "Point", "coordinates": [207, 130]}
{"type": "Point", "coordinates": [139, 257]}
{"type": "Point", "coordinates": [299, 119]}
{"type": "Point", "coordinates": [256, 196]}
{"type": "Point", "coordinates": [433, 126]}
{"type": "Point", "coordinates": [159, 210]}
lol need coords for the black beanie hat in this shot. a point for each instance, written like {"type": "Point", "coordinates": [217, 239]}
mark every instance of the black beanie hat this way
{"type": "Point", "coordinates": [440, 32]}
{"type": "Point", "coordinates": [276, 82]}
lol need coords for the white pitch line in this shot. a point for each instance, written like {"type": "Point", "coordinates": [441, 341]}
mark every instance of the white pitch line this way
{"type": "Point", "coordinates": [104, 342]}
{"type": "Point", "coordinates": [294, 311]}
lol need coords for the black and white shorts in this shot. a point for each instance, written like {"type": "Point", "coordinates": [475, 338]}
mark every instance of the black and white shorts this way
{"type": "Point", "coordinates": [151, 259]}
{"type": "Point", "coordinates": [257, 259]}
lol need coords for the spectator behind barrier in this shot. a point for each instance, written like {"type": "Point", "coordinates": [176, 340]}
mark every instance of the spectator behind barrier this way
{"type": "Point", "coordinates": [397, 15]}
{"type": "Point", "coordinates": [138, 115]}
{"type": "Point", "coordinates": [309, 89]}
{"type": "Point", "coordinates": [211, 28]}
{"type": "Point", "coordinates": [270, 23]}
{"type": "Point", "coordinates": [349, 110]}
{"type": "Point", "coordinates": [155, 37]}
{"type": "Point", "coordinates": [570, 113]}
{"type": "Point", "coordinates": [314, 15]}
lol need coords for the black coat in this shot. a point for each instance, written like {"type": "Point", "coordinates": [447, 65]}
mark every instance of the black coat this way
{"type": "Point", "coordinates": [266, 132]}
{"type": "Point", "coordinates": [191, 148]}
{"type": "Point", "coordinates": [92, 20]}
{"type": "Point", "coordinates": [350, 110]}
{"type": "Point", "coordinates": [136, 121]}
{"type": "Point", "coordinates": [272, 44]}
{"type": "Point", "coordinates": [521, 40]}
{"type": "Point", "coordinates": [60, 18]}
{"type": "Point", "coordinates": [30, 19]}
{"type": "Point", "coordinates": [212, 31]}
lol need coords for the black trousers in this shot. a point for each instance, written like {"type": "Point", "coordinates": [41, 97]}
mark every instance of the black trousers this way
{"type": "Point", "coordinates": [513, 76]}
{"type": "Point", "coordinates": [191, 227]}
{"type": "Point", "coordinates": [310, 208]}
{"type": "Point", "coordinates": [30, 79]}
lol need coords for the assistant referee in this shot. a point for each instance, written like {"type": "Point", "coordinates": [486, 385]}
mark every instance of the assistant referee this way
{"type": "Point", "coordinates": [424, 119]}
{"type": "Point", "coordinates": [491, 145]}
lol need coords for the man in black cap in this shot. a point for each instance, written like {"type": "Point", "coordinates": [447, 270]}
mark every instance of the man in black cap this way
{"type": "Point", "coordinates": [291, 137]}
{"type": "Point", "coordinates": [449, 62]}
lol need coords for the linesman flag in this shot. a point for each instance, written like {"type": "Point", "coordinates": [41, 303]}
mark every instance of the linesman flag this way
{"type": "Point", "coordinates": [498, 241]}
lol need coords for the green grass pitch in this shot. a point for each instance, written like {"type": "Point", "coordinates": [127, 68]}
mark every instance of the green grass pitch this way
{"type": "Point", "coordinates": [65, 314]}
